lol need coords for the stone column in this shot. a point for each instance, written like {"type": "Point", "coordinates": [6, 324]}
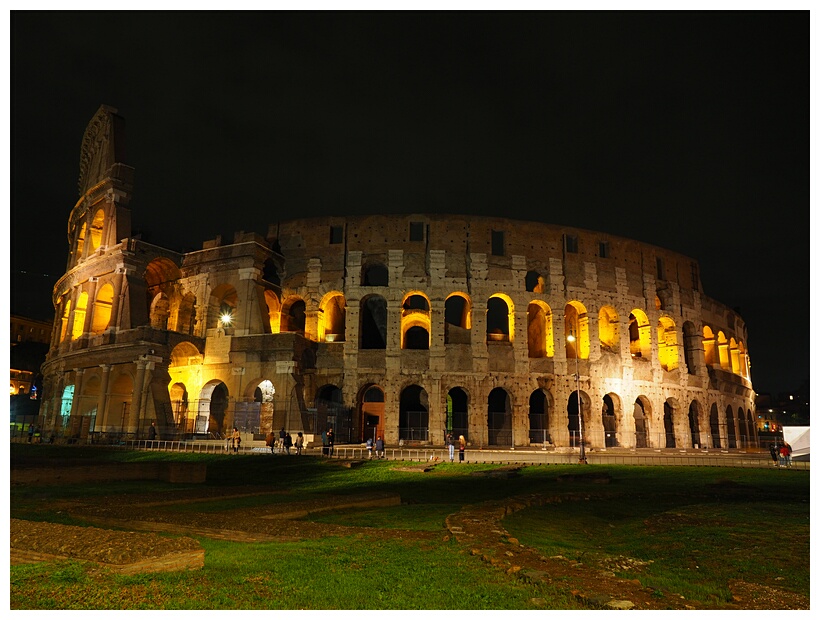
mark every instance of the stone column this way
{"type": "Point", "coordinates": [102, 399]}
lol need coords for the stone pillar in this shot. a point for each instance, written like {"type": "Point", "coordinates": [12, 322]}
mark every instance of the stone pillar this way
{"type": "Point", "coordinates": [102, 399]}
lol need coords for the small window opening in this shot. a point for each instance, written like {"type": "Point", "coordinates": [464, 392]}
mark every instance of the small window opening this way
{"type": "Point", "coordinates": [336, 234]}
{"type": "Point", "coordinates": [416, 231]}
{"type": "Point", "coordinates": [661, 269]}
{"type": "Point", "coordinates": [603, 249]}
{"type": "Point", "coordinates": [571, 244]}
{"type": "Point", "coordinates": [498, 243]}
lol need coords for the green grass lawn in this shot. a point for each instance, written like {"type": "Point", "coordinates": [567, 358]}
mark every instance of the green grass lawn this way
{"type": "Point", "coordinates": [684, 530]}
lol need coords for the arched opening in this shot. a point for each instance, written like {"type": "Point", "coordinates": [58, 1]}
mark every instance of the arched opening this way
{"type": "Point", "coordinates": [608, 332]}
{"type": "Point", "coordinates": [734, 356]}
{"type": "Point", "coordinates": [499, 418]}
{"type": "Point", "coordinates": [610, 422]}
{"type": "Point", "coordinates": [731, 434]}
{"type": "Point", "coordinates": [667, 344]}
{"type": "Point", "coordinates": [539, 418]}
{"type": "Point", "coordinates": [66, 403]}
{"type": "Point", "coordinates": [274, 311]}
{"type": "Point", "coordinates": [539, 330]}
{"type": "Point", "coordinates": [375, 274]}
{"type": "Point", "coordinates": [222, 305]}
{"type": "Point", "coordinates": [457, 412]}
{"type": "Point", "coordinates": [576, 324]}
{"type": "Point", "coordinates": [65, 318]}
{"type": "Point", "coordinates": [293, 313]}
{"type": "Point", "coordinates": [102, 309]}
{"type": "Point", "coordinates": [270, 273]}
{"type": "Point", "coordinates": [694, 423]}
{"type": "Point", "coordinates": [80, 242]}
{"type": "Point", "coordinates": [372, 412]}
{"type": "Point", "coordinates": [179, 405]}
{"type": "Point", "coordinates": [332, 325]}
{"type": "Point", "coordinates": [577, 429]}
{"type": "Point", "coordinates": [79, 316]}
{"type": "Point", "coordinates": [714, 426]}
{"type": "Point", "coordinates": [331, 412]}
{"type": "Point", "coordinates": [160, 311]}
{"type": "Point", "coordinates": [709, 356]}
{"type": "Point", "coordinates": [669, 425]}
{"type": "Point", "coordinates": [415, 322]}
{"type": "Point", "coordinates": [413, 414]}
{"type": "Point", "coordinates": [534, 282]}
{"type": "Point", "coordinates": [97, 229]}
{"type": "Point", "coordinates": [723, 351]}
{"type": "Point", "coordinates": [186, 316]}
{"type": "Point", "coordinates": [373, 328]}
{"type": "Point", "coordinates": [499, 319]}
{"type": "Point", "coordinates": [457, 320]}
{"type": "Point", "coordinates": [213, 405]}
{"type": "Point", "coordinates": [640, 346]}
{"type": "Point", "coordinates": [118, 416]}
{"type": "Point", "coordinates": [641, 415]}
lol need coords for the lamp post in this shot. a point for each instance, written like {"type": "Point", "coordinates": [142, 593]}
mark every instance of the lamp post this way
{"type": "Point", "coordinates": [582, 458]}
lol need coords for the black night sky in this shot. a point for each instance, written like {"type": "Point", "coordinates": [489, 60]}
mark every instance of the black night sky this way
{"type": "Point", "coordinates": [687, 130]}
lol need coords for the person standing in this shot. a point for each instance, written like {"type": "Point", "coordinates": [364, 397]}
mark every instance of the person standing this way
{"type": "Point", "coordinates": [369, 444]}
{"type": "Point", "coordinates": [288, 443]}
{"type": "Point", "coordinates": [237, 440]}
{"type": "Point", "coordinates": [451, 445]}
{"type": "Point", "coordinates": [379, 447]}
{"type": "Point", "coordinates": [270, 441]}
{"type": "Point", "coordinates": [300, 442]}
{"type": "Point", "coordinates": [152, 432]}
{"type": "Point", "coordinates": [786, 454]}
{"type": "Point", "coordinates": [282, 440]}
{"type": "Point", "coordinates": [774, 452]}
{"type": "Point", "coordinates": [330, 442]}
{"type": "Point", "coordinates": [462, 445]}
{"type": "Point", "coordinates": [30, 432]}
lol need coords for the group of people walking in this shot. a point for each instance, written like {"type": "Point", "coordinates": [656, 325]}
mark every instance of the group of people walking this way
{"type": "Point", "coordinates": [285, 442]}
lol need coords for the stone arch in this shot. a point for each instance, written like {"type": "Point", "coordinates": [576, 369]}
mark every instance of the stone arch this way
{"type": "Point", "coordinates": [499, 417]}
{"type": "Point", "coordinates": [222, 304]}
{"type": "Point", "coordinates": [539, 418]}
{"type": "Point", "coordinates": [610, 419]}
{"type": "Point", "coordinates": [667, 344]}
{"type": "Point", "coordinates": [375, 273]}
{"type": "Point", "coordinates": [102, 309]}
{"type": "Point", "coordinates": [731, 432]}
{"type": "Point", "coordinates": [714, 426]}
{"type": "Point", "coordinates": [79, 316]}
{"type": "Point", "coordinates": [160, 311]}
{"type": "Point", "coordinates": [64, 333]}
{"type": "Point", "coordinates": [186, 315]}
{"type": "Point", "coordinates": [723, 351]}
{"type": "Point", "coordinates": [373, 322]}
{"type": "Point", "coordinates": [293, 315]}
{"type": "Point", "coordinates": [534, 282]}
{"type": "Point", "coordinates": [213, 408]}
{"type": "Point", "coordinates": [332, 323]}
{"type": "Point", "coordinates": [709, 355]}
{"type": "Point", "coordinates": [579, 428]}
{"type": "Point", "coordinates": [642, 414]}
{"type": "Point", "coordinates": [576, 324]}
{"type": "Point", "coordinates": [640, 345]}
{"type": "Point", "coordinates": [371, 411]}
{"type": "Point", "coordinates": [457, 319]}
{"type": "Point", "coordinates": [694, 424]}
{"type": "Point", "coordinates": [414, 414]}
{"type": "Point", "coordinates": [744, 360]}
{"type": "Point", "coordinates": [78, 255]}
{"type": "Point", "coordinates": [500, 318]}
{"type": "Point", "coordinates": [608, 329]}
{"type": "Point", "coordinates": [160, 276]}
{"type": "Point", "coordinates": [415, 321]}
{"type": "Point", "coordinates": [734, 356]}
{"type": "Point", "coordinates": [671, 410]}
{"type": "Point", "coordinates": [274, 311]}
{"type": "Point", "coordinates": [539, 330]}
{"type": "Point", "coordinates": [96, 229]}
{"type": "Point", "coordinates": [88, 402]}
{"type": "Point", "coordinates": [458, 404]}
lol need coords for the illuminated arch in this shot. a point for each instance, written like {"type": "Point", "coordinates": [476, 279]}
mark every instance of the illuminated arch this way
{"type": "Point", "coordinates": [709, 356]}
{"type": "Point", "coordinates": [80, 242]}
{"type": "Point", "coordinates": [79, 316]}
{"type": "Point", "coordinates": [723, 351]}
{"type": "Point", "coordinates": [576, 323]}
{"type": "Point", "coordinates": [667, 344]}
{"type": "Point", "coordinates": [96, 230]}
{"type": "Point", "coordinates": [415, 321]}
{"type": "Point", "coordinates": [640, 345]}
{"type": "Point", "coordinates": [734, 356]}
{"type": "Point", "coordinates": [608, 330]}
{"type": "Point", "coordinates": [539, 330]}
{"type": "Point", "coordinates": [332, 318]}
{"type": "Point", "coordinates": [274, 311]}
{"type": "Point", "coordinates": [293, 315]}
{"type": "Point", "coordinates": [64, 320]}
{"type": "Point", "coordinates": [102, 309]}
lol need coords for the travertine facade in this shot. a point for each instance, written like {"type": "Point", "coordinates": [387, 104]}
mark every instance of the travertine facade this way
{"type": "Point", "coordinates": [403, 325]}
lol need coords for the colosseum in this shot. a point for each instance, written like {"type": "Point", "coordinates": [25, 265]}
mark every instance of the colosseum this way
{"type": "Point", "coordinates": [508, 332]}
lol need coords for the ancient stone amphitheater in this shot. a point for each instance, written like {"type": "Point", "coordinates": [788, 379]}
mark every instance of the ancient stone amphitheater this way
{"type": "Point", "coordinates": [404, 326]}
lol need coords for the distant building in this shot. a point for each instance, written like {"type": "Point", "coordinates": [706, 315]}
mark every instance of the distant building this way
{"type": "Point", "coordinates": [400, 325]}
{"type": "Point", "coordinates": [29, 344]}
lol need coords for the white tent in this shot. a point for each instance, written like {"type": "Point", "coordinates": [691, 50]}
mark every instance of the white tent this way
{"type": "Point", "coordinates": [798, 438]}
